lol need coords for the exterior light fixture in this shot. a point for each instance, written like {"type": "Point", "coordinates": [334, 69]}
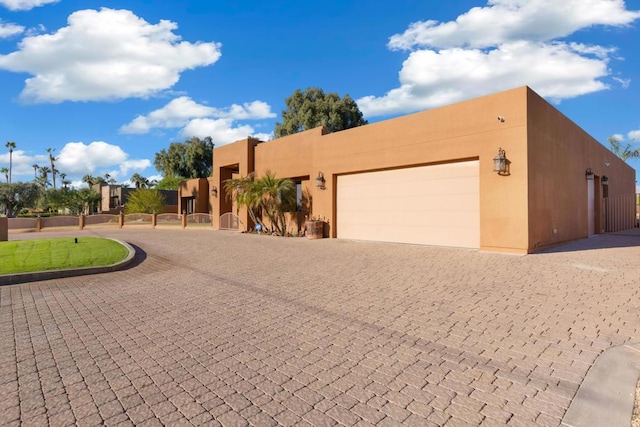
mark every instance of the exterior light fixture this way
{"type": "Point", "coordinates": [320, 181]}
{"type": "Point", "coordinates": [214, 191]}
{"type": "Point", "coordinates": [605, 180]}
{"type": "Point", "coordinates": [500, 162]}
{"type": "Point", "coordinates": [589, 174]}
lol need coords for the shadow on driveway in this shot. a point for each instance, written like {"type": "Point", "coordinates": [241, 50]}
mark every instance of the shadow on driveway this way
{"type": "Point", "coordinates": [622, 239]}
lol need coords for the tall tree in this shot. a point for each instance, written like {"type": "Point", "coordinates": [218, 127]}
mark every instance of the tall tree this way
{"type": "Point", "coordinates": [313, 108]}
{"type": "Point", "coordinates": [16, 196]}
{"type": "Point", "coordinates": [35, 167]}
{"type": "Point", "coordinates": [169, 182]}
{"type": "Point", "coordinates": [191, 159]}
{"type": "Point", "coordinates": [5, 171]}
{"type": "Point", "coordinates": [76, 201]}
{"type": "Point", "coordinates": [623, 150]}
{"type": "Point", "coordinates": [52, 159]}
{"type": "Point", "coordinates": [11, 146]}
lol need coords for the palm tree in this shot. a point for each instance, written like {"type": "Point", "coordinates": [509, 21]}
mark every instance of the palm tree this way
{"type": "Point", "coordinates": [11, 146]}
{"type": "Point", "coordinates": [109, 179]}
{"type": "Point", "coordinates": [35, 170]}
{"type": "Point", "coordinates": [52, 159]}
{"type": "Point", "coordinates": [243, 190]}
{"type": "Point", "coordinates": [623, 151]}
{"type": "Point", "coordinates": [91, 180]}
{"type": "Point", "coordinates": [268, 195]}
{"type": "Point", "coordinates": [5, 171]}
{"type": "Point", "coordinates": [276, 194]}
{"type": "Point", "coordinates": [44, 177]}
{"type": "Point", "coordinates": [139, 181]}
{"type": "Point", "coordinates": [65, 182]}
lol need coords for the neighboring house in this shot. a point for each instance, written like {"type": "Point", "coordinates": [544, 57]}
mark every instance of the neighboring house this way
{"type": "Point", "coordinates": [428, 177]}
{"type": "Point", "coordinates": [193, 196]}
{"type": "Point", "coordinates": [114, 198]}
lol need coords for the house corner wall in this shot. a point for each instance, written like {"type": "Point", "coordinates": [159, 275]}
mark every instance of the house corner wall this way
{"type": "Point", "coordinates": [559, 154]}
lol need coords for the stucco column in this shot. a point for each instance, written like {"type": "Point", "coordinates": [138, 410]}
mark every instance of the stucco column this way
{"type": "Point", "coordinates": [81, 222]}
{"type": "Point", "coordinates": [121, 220]}
{"type": "Point", "coordinates": [154, 219]}
{"type": "Point", "coordinates": [4, 229]}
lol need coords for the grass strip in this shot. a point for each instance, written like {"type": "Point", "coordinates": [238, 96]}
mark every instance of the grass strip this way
{"type": "Point", "coordinates": [24, 256]}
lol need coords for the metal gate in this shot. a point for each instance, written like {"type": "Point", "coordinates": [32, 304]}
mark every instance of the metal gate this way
{"type": "Point", "coordinates": [229, 221]}
{"type": "Point", "coordinates": [620, 213]}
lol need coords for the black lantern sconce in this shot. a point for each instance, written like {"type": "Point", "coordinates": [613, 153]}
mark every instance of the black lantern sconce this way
{"type": "Point", "coordinates": [320, 181]}
{"type": "Point", "coordinates": [589, 174]}
{"type": "Point", "coordinates": [214, 191]}
{"type": "Point", "coordinates": [501, 163]}
{"type": "Point", "coordinates": [605, 180]}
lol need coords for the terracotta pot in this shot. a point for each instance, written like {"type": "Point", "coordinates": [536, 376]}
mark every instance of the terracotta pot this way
{"type": "Point", "coordinates": [314, 229]}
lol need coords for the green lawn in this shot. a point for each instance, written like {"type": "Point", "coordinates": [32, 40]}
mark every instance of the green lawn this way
{"type": "Point", "coordinates": [24, 256]}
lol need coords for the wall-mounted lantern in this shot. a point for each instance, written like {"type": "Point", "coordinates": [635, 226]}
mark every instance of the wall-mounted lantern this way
{"type": "Point", "coordinates": [589, 174]}
{"type": "Point", "coordinates": [214, 191]}
{"type": "Point", "coordinates": [320, 181]}
{"type": "Point", "coordinates": [605, 180]}
{"type": "Point", "coordinates": [500, 163]}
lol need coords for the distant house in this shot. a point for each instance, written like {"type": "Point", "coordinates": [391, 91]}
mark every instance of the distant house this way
{"type": "Point", "coordinates": [505, 172]}
{"type": "Point", "coordinates": [114, 198]}
{"type": "Point", "coordinates": [193, 196]}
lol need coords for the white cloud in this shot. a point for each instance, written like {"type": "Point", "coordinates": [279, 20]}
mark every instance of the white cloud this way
{"type": "Point", "coordinates": [634, 135]}
{"type": "Point", "coordinates": [248, 111]}
{"type": "Point", "coordinates": [7, 29]}
{"type": "Point", "coordinates": [221, 131]}
{"type": "Point", "coordinates": [176, 113]}
{"type": "Point", "coordinates": [25, 4]}
{"type": "Point", "coordinates": [105, 55]}
{"type": "Point", "coordinates": [429, 78]}
{"type": "Point", "coordinates": [510, 20]}
{"type": "Point", "coordinates": [22, 163]}
{"type": "Point", "coordinates": [202, 121]}
{"type": "Point", "coordinates": [507, 44]}
{"type": "Point", "coordinates": [96, 157]}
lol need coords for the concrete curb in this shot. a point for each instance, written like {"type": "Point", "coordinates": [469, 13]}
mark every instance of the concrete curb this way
{"type": "Point", "coordinates": [14, 279]}
{"type": "Point", "coordinates": [607, 394]}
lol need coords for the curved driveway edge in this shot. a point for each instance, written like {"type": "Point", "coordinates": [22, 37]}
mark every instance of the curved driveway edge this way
{"type": "Point", "coordinates": [14, 279]}
{"type": "Point", "coordinates": [607, 394]}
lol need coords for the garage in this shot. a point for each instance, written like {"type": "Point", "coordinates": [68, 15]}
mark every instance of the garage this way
{"type": "Point", "coordinates": [431, 205]}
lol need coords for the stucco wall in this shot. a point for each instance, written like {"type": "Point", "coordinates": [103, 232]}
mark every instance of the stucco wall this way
{"type": "Point", "coordinates": [559, 154]}
{"type": "Point", "coordinates": [519, 211]}
{"type": "Point", "coordinates": [468, 130]}
{"type": "Point", "coordinates": [225, 159]}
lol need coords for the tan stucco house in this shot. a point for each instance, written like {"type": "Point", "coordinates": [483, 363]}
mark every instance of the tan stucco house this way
{"type": "Point", "coordinates": [429, 177]}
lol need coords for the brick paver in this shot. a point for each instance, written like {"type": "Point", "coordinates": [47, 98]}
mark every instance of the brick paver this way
{"type": "Point", "coordinates": [237, 330]}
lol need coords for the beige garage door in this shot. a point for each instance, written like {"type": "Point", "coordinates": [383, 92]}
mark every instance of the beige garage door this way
{"type": "Point", "coordinates": [433, 205]}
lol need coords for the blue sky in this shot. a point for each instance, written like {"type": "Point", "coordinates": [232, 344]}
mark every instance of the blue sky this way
{"type": "Point", "coordinates": [109, 84]}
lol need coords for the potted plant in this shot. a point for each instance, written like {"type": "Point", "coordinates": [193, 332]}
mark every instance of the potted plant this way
{"type": "Point", "coordinates": [314, 227]}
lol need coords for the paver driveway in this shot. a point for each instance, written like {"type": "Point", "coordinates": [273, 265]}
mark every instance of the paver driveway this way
{"type": "Point", "coordinates": [221, 328]}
